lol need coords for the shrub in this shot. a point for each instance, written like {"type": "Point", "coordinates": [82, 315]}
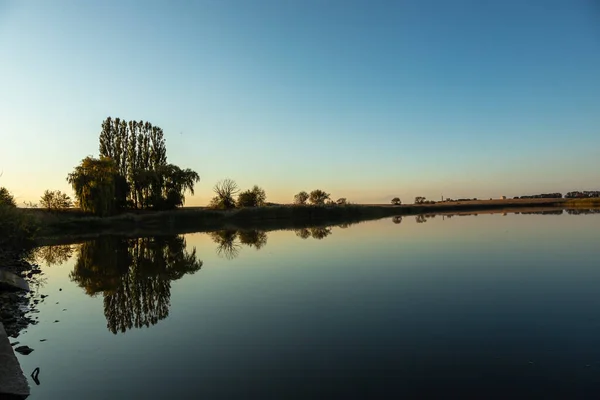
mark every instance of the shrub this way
{"type": "Point", "coordinates": [301, 198]}
{"type": "Point", "coordinates": [256, 197]}
{"type": "Point", "coordinates": [17, 227]}
{"type": "Point", "coordinates": [341, 201]}
{"type": "Point", "coordinates": [396, 201]}
{"type": "Point", "coordinates": [55, 200]}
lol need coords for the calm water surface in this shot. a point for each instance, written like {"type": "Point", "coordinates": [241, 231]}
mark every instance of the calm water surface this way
{"type": "Point", "coordinates": [487, 305]}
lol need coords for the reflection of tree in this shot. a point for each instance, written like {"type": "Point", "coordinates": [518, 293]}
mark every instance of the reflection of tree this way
{"type": "Point", "coordinates": [52, 255]}
{"type": "Point", "coordinates": [302, 233]}
{"type": "Point", "coordinates": [227, 244]}
{"type": "Point", "coordinates": [397, 219]}
{"type": "Point", "coordinates": [134, 276]}
{"type": "Point", "coordinates": [253, 238]}
{"type": "Point", "coordinates": [420, 219]}
{"type": "Point", "coordinates": [580, 211]}
{"type": "Point", "coordinates": [320, 232]}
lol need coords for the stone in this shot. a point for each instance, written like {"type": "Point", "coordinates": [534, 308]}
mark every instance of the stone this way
{"type": "Point", "coordinates": [25, 350]}
{"type": "Point", "coordinates": [12, 381]}
{"type": "Point", "coordinates": [13, 282]}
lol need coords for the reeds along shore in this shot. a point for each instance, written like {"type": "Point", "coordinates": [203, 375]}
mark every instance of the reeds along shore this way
{"type": "Point", "coordinates": [73, 222]}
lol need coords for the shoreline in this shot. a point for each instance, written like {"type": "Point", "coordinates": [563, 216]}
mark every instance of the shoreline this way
{"type": "Point", "coordinates": [71, 226]}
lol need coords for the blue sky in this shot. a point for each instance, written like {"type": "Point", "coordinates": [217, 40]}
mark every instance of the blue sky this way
{"type": "Point", "coordinates": [364, 99]}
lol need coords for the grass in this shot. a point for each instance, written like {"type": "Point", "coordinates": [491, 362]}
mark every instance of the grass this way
{"type": "Point", "coordinates": [593, 202]}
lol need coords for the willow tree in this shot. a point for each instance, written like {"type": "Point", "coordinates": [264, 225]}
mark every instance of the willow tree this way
{"type": "Point", "coordinates": [94, 184]}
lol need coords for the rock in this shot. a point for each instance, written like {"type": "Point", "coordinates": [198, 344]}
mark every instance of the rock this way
{"type": "Point", "coordinates": [25, 350]}
{"type": "Point", "coordinates": [12, 380]}
{"type": "Point", "coordinates": [11, 281]}
{"type": "Point", "coordinates": [56, 321]}
{"type": "Point", "coordinates": [43, 340]}
{"type": "Point", "coordinates": [14, 343]}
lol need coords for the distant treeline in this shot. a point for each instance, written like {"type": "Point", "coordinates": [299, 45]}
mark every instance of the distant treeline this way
{"type": "Point", "coordinates": [586, 194]}
{"type": "Point", "coordinates": [542, 196]}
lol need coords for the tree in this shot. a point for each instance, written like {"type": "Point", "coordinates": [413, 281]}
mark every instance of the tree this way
{"type": "Point", "coordinates": [341, 201]}
{"type": "Point", "coordinates": [55, 200]}
{"type": "Point", "coordinates": [224, 190]}
{"type": "Point", "coordinates": [396, 201]}
{"type": "Point", "coordinates": [301, 198]}
{"type": "Point", "coordinates": [144, 178]}
{"type": "Point", "coordinates": [419, 200]}
{"type": "Point", "coordinates": [93, 182]}
{"type": "Point", "coordinates": [256, 197]}
{"type": "Point", "coordinates": [6, 198]}
{"type": "Point", "coordinates": [318, 197]}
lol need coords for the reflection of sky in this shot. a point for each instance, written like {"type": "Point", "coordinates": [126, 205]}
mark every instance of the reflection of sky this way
{"type": "Point", "coordinates": [478, 296]}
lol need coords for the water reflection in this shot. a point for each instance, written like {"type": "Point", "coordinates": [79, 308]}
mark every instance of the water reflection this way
{"type": "Point", "coordinates": [228, 245]}
{"type": "Point", "coordinates": [134, 276]}
{"type": "Point", "coordinates": [52, 255]}
{"type": "Point", "coordinates": [582, 211]}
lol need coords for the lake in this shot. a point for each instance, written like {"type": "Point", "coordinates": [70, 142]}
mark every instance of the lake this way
{"type": "Point", "coordinates": [490, 305]}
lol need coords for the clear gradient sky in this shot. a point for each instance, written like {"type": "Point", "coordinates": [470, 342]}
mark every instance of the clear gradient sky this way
{"type": "Point", "coordinates": [364, 99]}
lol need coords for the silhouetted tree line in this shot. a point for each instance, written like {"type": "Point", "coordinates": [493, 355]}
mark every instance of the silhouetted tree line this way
{"type": "Point", "coordinates": [134, 276]}
{"type": "Point", "coordinates": [542, 196]}
{"type": "Point", "coordinates": [586, 194]}
{"type": "Point", "coordinates": [131, 171]}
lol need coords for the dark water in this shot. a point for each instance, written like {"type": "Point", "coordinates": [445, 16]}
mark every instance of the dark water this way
{"type": "Point", "coordinates": [487, 306]}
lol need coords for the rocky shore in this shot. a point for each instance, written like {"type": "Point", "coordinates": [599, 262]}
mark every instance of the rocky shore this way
{"type": "Point", "coordinates": [17, 308]}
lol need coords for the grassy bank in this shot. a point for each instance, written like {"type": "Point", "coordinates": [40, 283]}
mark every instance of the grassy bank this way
{"type": "Point", "coordinates": [74, 223]}
{"type": "Point", "coordinates": [594, 202]}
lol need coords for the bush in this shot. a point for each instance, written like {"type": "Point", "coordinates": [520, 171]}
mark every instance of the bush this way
{"type": "Point", "coordinates": [256, 197]}
{"type": "Point", "coordinates": [301, 198]}
{"type": "Point", "coordinates": [318, 197]}
{"type": "Point", "coordinates": [396, 201]}
{"type": "Point", "coordinates": [341, 202]}
{"type": "Point", "coordinates": [55, 200]}
{"type": "Point", "coordinates": [17, 227]}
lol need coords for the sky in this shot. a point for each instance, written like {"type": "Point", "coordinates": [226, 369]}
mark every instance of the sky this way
{"type": "Point", "coordinates": [366, 100]}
